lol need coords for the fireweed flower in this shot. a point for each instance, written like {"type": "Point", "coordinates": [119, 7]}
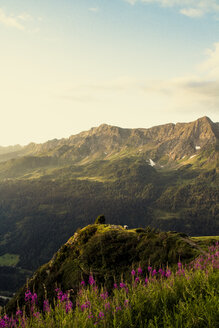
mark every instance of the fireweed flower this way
{"type": "Point", "coordinates": [133, 272]}
{"type": "Point", "coordinates": [122, 285]}
{"type": "Point", "coordinates": [168, 273]}
{"type": "Point", "coordinates": [149, 268]}
{"type": "Point", "coordinates": [28, 296]}
{"type": "Point", "coordinates": [46, 307]}
{"type": "Point", "coordinates": [140, 270]}
{"type": "Point", "coordinates": [64, 297]}
{"type": "Point", "coordinates": [36, 314]}
{"type": "Point", "coordinates": [146, 280]}
{"type": "Point", "coordinates": [59, 293]}
{"type": "Point", "coordinates": [82, 283]}
{"type": "Point", "coordinates": [101, 315]}
{"type": "Point", "coordinates": [115, 286]}
{"type": "Point", "coordinates": [104, 296]}
{"type": "Point", "coordinates": [91, 280]}
{"type": "Point", "coordinates": [87, 303]}
{"type": "Point", "coordinates": [179, 265]}
{"type": "Point", "coordinates": [154, 272]}
{"type": "Point", "coordinates": [68, 306]}
{"type": "Point", "coordinates": [2, 323]}
{"type": "Point", "coordinates": [83, 307]}
{"type": "Point", "coordinates": [137, 279]}
{"type": "Point", "coordinates": [90, 316]}
{"type": "Point", "coordinates": [34, 298]}
{"type": "Point", "coordinates": [95, 289]}
{"type": "Point", "coordinates": [118, 308]}
{"type": "Point", "coordinates": [19, 313]}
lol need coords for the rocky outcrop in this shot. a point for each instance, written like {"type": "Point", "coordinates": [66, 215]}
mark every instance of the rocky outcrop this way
{"type": "Point", "coordinates": [163, 144]}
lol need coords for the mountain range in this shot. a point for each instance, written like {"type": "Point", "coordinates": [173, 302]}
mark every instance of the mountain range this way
{"type": "Point", "coordinates": [165, 177]}
{"type": "Point", "coordinates": [165, 144]}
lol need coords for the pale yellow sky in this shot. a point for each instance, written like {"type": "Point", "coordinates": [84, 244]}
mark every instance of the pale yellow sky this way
{"type": "Point", "coordinates": [68, 67]}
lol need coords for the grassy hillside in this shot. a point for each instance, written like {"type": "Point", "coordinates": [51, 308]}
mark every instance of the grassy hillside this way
{"type": "Point", "coordinates": [108, 276]}
{"type": "Point", "coordinates": [107, 251]}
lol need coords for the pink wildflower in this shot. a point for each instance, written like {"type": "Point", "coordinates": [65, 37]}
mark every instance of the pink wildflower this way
{"type": "Point", "coordinates": [101, 315]}
{"type": "Point", "coordinates": [122, 285]}
{"type": "Point", "coordinates": [140, 270]}
{"type": "Point", "coordinates": [91, 280]}
{"type": "Point", "coordinates": [154, 272]}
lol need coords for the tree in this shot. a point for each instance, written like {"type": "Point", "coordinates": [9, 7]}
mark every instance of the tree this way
{"type": "Point", "coordinates": [100, 219]}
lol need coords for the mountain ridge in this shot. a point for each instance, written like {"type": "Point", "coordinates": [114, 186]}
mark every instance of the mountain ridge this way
{"type": "Point", "coordinates": [163, 143]}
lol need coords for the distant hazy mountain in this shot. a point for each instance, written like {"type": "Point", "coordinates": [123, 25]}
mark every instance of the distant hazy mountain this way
{"type": "Point", "coordinates": [165, 176]}
{"type": "Point", "coordinates": [9, 152]}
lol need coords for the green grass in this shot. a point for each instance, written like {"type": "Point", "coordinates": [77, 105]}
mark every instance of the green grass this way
{"type": "Point", "coordinates": [186, 297]}
{"type": "Point", "coordinates": [204, 238]}
{"type": "Point", "coordinates": [9, 259]}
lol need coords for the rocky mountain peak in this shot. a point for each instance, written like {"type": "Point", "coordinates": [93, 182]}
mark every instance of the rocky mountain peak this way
{"type": "Point", "coordinates": [170, 141]}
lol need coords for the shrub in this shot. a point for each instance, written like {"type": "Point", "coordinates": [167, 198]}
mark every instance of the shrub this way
{"type": "Point", "coordinates": [100, 219]}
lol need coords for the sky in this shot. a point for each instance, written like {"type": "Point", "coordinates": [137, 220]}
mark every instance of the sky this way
{"type": "Point", "coordinates": [69, 65]}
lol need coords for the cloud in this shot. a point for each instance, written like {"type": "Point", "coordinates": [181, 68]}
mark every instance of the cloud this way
{"type": "Point", "coordinates": [131, 2]}
{"type": "Point", "coordinates": [195, 94]}
{"type": "Point", "coordinates": [211, 65]}
{"type": "Point", "coordinates": [25, 17]}
{"type": "Point", "coordinates": [200, 90]}
{"type": "Point", "coordinates": [192, 12]}
{"type": "Point", "coordinates": [10, 21]}
{"type": "Point", "coordinates": [94, 9]}
{"type": "Point", "coordinates": [189, 8]}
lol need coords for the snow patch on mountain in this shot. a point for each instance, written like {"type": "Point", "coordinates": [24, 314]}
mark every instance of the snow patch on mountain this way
{"type": "Point", "coordinates": [152, 163]}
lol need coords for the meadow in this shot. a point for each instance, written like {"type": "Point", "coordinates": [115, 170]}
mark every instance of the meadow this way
{"type": "Point", "coordinates": [155, 297]}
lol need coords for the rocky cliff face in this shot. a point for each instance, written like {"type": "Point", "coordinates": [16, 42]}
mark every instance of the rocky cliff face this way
{"type": "Point", "coordinates": [163, 144]}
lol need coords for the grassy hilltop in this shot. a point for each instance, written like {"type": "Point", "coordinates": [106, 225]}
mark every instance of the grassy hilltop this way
{"type": "Point", "coordinates": [109, 251]}
{"type": "Point", "coordinates": [107, 276]}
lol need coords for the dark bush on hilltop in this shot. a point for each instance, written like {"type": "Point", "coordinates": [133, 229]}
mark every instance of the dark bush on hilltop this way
{"type": "Point", "coordinates": [100, 219]}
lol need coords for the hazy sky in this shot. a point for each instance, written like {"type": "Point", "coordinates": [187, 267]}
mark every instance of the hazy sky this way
{"type": "Point", "coordinates": [69, 65]}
